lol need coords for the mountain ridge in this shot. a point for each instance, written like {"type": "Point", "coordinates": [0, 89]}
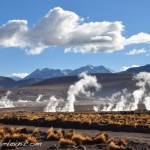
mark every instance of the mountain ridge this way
{"type": "Point", "coordinates": [7, 82]}
{"type": "Point", "coordinates": [46, 73]}
{"type": "Point", "coordinates": [136, 70]}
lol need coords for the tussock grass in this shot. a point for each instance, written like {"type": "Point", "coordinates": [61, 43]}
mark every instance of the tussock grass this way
{"type": "Point", "coordinates": [70, 134]}
{"type": "Point", "coordinates": [19, 134]}
{"type": "Point", "coordinates": [35, 131]}
{"type": "Point", "coordinates": [66, 142]}
{"type": "Point", "coordinates": [119, 119]}
{"type": "Point", "coordinates": [53, 135]}
{"type": "Point", "coordinates": [87, 120]}
{"type": "Point", "coordinates": [100, 138]}
{"type": "Point", "coordinates": [19, 138]}
{"type": "Point", "coordinates": [80, 139]}
{"type": "Point", "coordinates": [113, 146]}
{"type": "Point", "coordinates": [70, 138]}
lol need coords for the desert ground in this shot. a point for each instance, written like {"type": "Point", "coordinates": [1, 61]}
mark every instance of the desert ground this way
{"type": "Point", "coordinates": [91, 131]}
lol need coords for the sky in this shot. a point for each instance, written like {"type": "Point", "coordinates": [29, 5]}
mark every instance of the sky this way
{"type": "Point", "coordinates": [68, 34]}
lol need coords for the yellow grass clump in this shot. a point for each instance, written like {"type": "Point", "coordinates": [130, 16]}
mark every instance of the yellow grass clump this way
{"type": "Point", "coordinates": [101, 138]}
{"type": "Point", "coordinates": [70, 134]}
{"type": "Point", "coordinates": [35, 131]}
{"type": "Point", "coordinates": [19, 138]}
{"type": "Point", "coordinates": [66, 142]}
{"type": "Point", "coordinates": [113, 146]}
{"type": "Point", "coordinates": [80, 139]}
{"type": "Point", "coordinates": [52, 135]}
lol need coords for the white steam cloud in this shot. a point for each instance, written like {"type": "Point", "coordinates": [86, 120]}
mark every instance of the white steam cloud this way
{"type": "Point", "coordinates": [143, 93]}
{"type": "Point", "coordinates": [5, 102]}
{"type": "Point", "coordinates": [80, 87]}
{"type": "Point", "coordinates": [67, 29]}
{"type": "Point", "coordinates": [23, 101]}
{"type": "Point", "coordinates": [52, 105]}
{"type": "Point", "coordinates": [39, 98]}
{"type": "Point", "coordinates": [126, 101]}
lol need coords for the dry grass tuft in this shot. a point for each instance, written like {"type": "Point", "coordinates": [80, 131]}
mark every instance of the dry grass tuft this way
{"type": "Point", "coordinates": [66, 142]}
{"type": "Point", "coordinates": [113, 146]}
{"type": "Point", "coordinates": [61, 133]}
{"type": "Point", "coordinates": [53, 135]}
{"type": "Point", "coordinates": [2, 132]}
{"type": "Point", "coordinates": [19, 138]}
{"type": "Point", "coordinates": [80, 139]}
{"type": "Point", "coordinates": [31, 139]}
{"type": "Point", "coordinates": [70, 134]}
{"type": "Point", "coordinates": [100, 138]}
{"type": "Point", "coordinates": [35, 131]}
{"type": "Point", "coordinates": [50, 130]}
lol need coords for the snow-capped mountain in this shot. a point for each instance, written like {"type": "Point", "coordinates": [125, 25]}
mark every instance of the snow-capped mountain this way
{"type": "Point", "coordinates": [91, 69]}
{"type": "Point", "coordinates": [50, 73]}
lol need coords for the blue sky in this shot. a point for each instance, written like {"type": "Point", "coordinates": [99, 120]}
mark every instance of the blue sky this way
{"type": "Point", "coordinates": [134, 15]}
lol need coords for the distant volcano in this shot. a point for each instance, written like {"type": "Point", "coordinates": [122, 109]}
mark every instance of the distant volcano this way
{"type": "Point", "coordinates": [50, 73]}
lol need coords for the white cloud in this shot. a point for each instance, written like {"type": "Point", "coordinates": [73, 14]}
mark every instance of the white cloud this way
{"type": "Point", "coordinates": [12, 34]}
{"type": "Point", "coordinates": [36, 50]}
{"type": "Point", "coordinates": [20, 75]}
{"type": "Point", "coordinates": [138, 38]}
{"type": "Point", "coordinates": [136, 51]}
{"type": "Point", "coordinates": [127, 67]}
{"type": "Point", "coordinates": [66, 29]}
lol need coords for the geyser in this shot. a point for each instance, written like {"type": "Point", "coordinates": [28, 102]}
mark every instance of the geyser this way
{"type": "Point", "coordinates": [53, 103]}
{"type": "Point", "coordinates": [126, 101]}
{"type": "Point", "coordinates": [39, 98]}
{"type": "Point", "coordinates": [80, 87]}
{"type": "Point", "coordinates": [5, 102]}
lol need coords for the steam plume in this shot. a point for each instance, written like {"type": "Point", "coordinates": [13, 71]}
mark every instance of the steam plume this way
{"type": "Point", "coordinates": [143, 93]}
{"type": "Point", "coordinates": [125, 101]}
{"type": "Point", "coordinates": [51, 107]}
{"type": "Point", "coordinates": [39, 98]}
{"type": "Point", "coordinates": [80, 87]}
{"type": "Point", "coordinates": [5, 102]}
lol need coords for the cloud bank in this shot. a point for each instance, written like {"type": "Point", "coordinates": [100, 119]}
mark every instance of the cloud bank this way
{"type": "Point", "coordinates": [20, 75]}
{"type": "Point", "coordinates": [136, 51]}
{"type": "Point", "coordinates": [67, 29]}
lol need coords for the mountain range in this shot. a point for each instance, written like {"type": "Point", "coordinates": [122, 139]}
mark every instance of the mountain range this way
{"type": "Point", "coordinates": [46, 73]}
{"type": "Point", "coordinates": [51, 73]}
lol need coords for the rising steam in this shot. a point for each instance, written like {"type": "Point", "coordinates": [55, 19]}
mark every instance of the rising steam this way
{"type": "Point", "coordinates": [52, 105]}
{"type": "Point", "coordinates": [126, 101]}
{"type": "Point", "coordinates": [39, 98]}
{"type": "Point", "coordinates": [5, 102]}
{"type": "Point", "coordinates": [143, 93]}
{"type": "Point", "coordinates": [80, 87]}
